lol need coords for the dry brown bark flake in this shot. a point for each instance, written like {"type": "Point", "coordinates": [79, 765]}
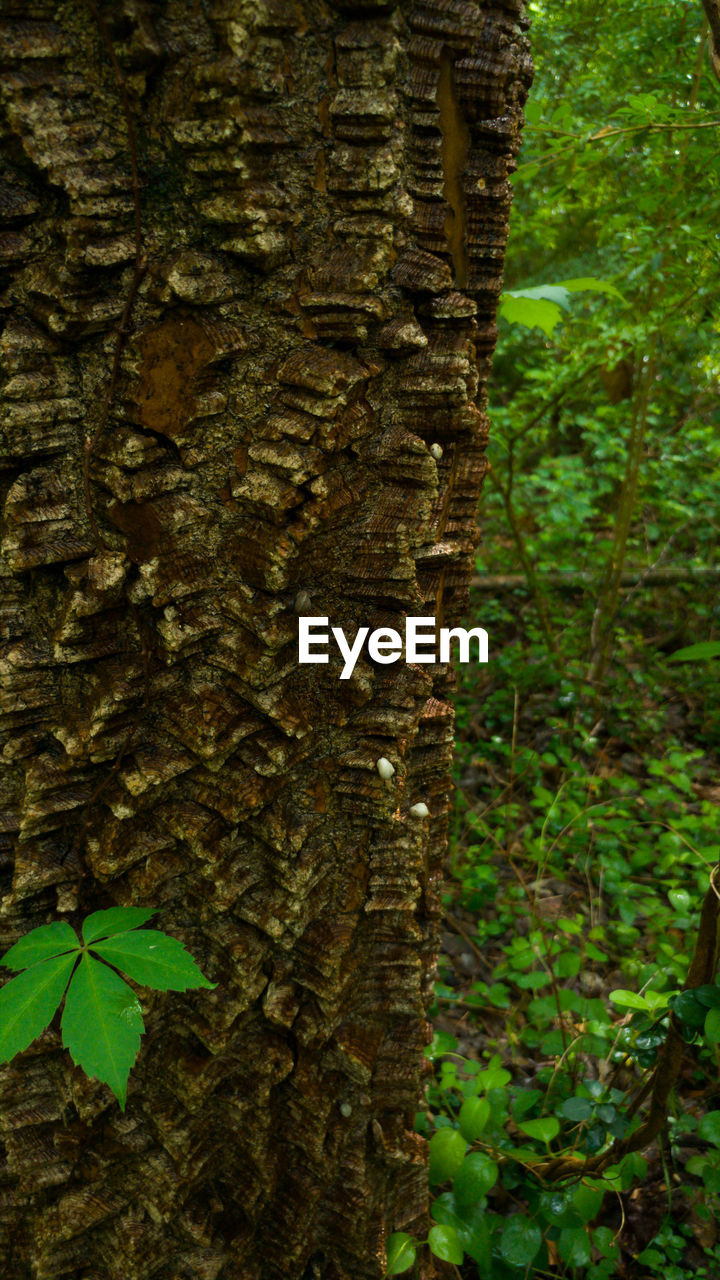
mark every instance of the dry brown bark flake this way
{"type": "Point", "coordinates": [324, 205]}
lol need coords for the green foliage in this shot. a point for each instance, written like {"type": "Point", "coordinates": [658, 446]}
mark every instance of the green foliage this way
{"type": "Point", "coordinates": [102, 1019]}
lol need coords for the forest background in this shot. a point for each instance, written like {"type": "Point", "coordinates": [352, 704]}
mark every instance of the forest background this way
{"type": "Point", "coordinates": [574, 899]}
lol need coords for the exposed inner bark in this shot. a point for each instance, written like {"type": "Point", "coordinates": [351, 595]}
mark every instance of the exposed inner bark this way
{"type": "Point", "coordinates": [316, 182]}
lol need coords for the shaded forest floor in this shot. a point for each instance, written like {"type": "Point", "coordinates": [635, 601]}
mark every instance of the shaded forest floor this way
{"type": "Point", "coordinates": [582, 843]}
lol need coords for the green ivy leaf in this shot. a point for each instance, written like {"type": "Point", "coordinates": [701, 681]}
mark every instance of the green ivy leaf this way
{"type": "Point", "coordinates": [445, 1244]}
{"type": "Point", "coordinates": [574, 1246]}
{"type": "Point", "coordinates": [708, 996]}
{"type": "Point", "coordinates": [447, 1151]}
{"type": "Point", "coordinates": [474, 1115]}
{"type": "Point", "coordinates": [587, 1201]}
{"type": "Point", "coordinates": [153, 959]}
{"type": "Point", "coordinates": [102, 1024]}
{"type": "Point", "coordinates": [520, 1241]}
{"type": "Point", "coordinates": [544, 1130]}
{"type": "Point", "coordinates": [400, 1253]}
{"type": "Point", "coordinates": [628, 999]}
{"type": "Point", "coordinates": [41, 944]}
{"type": "Point", "coordinates": [477, 1174]}
{"type": "Point", "coordinates": [576, 1109]}
{"type": "Point", "coordinates": [104, 924]}
{"type": "Point", "coordinates": [28, 1002]}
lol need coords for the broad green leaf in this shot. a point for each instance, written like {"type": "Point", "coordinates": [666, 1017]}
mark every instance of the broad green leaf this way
{"type": "Point", "coordinates": [153, 959]}
{"type": "Point", "coordinates": [628, 999]}
{"type": "Point", "coordinates": [697, 652]}
{"type": "Point", "coordinates": [28, 1002]}
{"type": "Point", "coordinates": [708, 995]}
{"type": "Point", "coordinates": [574, 1246]}
{"type": "Point", "coordinates": [520, 1241]}
{"type": "Point", "coordinates": [591, 284]}
{"type": "Point", "coordinates": [679, 899]}
{"type": "Point", "coordinates": [102, 1024]}
{"type": "Point", "coordinates": [712, 1026]}
{"type": "Point", "coordinates": [447, 1151]}
{"type": "Point", "coordinates": [688, 1009]}
{"type": "Point", "coordinates": [474, 1115]}
{"type": "Point", "coordinates": [587, 1201]}
{"type": "Point", "coordinates": [709, 1128]}
{"type": "Point", "coordinates": [40, 944]}
{"type": "Point", "coordinates": [531, 312]}
{"type": "Point", "coordinates": [104, 924]}
{"type": "Point", "coordinates": [445, 1244]}
{"type": "Point", "coordinates": [575, 1109]}
{"type": "Point", "coordinates": [477, 1174]}
{"type": "Point", "coordinates": [470, 1221]}
{"type": "Point", "coordinates": [400, 1253]}
{"type": "Point", "coordinates": [544, 1129]}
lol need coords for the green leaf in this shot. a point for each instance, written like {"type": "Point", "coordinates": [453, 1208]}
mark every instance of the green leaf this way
{"type": "Point", "coordinates": [574, 1246]}
{"type": "Point", "coordinates": [474, 1115]}
{"type": "Point", "coordinates": [587, 1201]}
{"type": "Point", "coordinates": [709, 1128]}
{"type": "Point", "coordinates": [688, 1009]}
{"type": "Point", "coordinates": [628, 999]}
{"type": "Point", "coordinates": [708, 995]}
{"type": "Point", "coordinates": [447, 1151]}
{"type": "Point", "coordinates": [477, 1174]}
{"type": "Point", "coordinates": [575, 1109]}
{"type": "Point", "coordinates": [103, 924]}
{"type": "Point", "coordinates": [697, 652]}
{"type": "Point", "coordinates": [102, 1024]}
{"type": "Point", "coordinates": [591, 284]}
{"type": "Point", "coordinates": [544, 1130]}
{"type": "Point", "coordinates": [400, 1253]}
{"type": "Point", "coordinates": [28, 1002]}
{"type": "Point", "coordinates": [445, 1244]}
{"type": "Point", "coordinates": [40, 944]}
{"type": "Point", "coordinates": [530, 312]}
{"type": "Point", "coordinates": [712, 1026]}
{"type": "Point", "coordinates": [153, 959]}
{"type": "Point", "coordinates": [679, 899]}
{"type": "Point", "coordinates": [520, 1241]}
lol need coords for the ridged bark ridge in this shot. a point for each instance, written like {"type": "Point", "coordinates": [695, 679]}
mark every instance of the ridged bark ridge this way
{"type": "Point", "coordinates": [309, 307]}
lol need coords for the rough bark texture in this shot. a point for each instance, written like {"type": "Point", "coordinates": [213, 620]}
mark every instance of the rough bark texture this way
{"type": "Point", "coordinates": [307, 307]}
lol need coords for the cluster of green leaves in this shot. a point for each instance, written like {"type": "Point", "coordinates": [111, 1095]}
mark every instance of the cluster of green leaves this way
{"type": "Point", "coordinates": [102, 1019]}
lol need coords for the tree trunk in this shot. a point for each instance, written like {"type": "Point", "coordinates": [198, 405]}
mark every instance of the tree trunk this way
{"type": "Point", "coordinates": [253, 250]}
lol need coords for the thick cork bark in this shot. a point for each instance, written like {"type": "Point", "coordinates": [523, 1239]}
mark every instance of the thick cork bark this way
{"type": "Point", "coordinates": [251, 252]}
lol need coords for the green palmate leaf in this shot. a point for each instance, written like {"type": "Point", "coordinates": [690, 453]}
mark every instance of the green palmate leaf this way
{"type": "Point", "coordinates": [104, 924]}
{"type": "Point", "coordinates": [445, 1244]}
{"type": "Point", "coordinates": [697, 652]}
{"type": "Point", "coordinates": [400, 1253]}
{"type": "Point", "coordinates": [28, 1002]}
{"type": "Point", "coordinates": [447, 1151]}
{"type": "Point", "coordinates": [153, 959]}
{"type": "Point", "coordinates": [40, 944]}
{"type": "Point", "coordinates": [102, 1024]}
{"type": "Point", "coordinates": [542, 313]}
